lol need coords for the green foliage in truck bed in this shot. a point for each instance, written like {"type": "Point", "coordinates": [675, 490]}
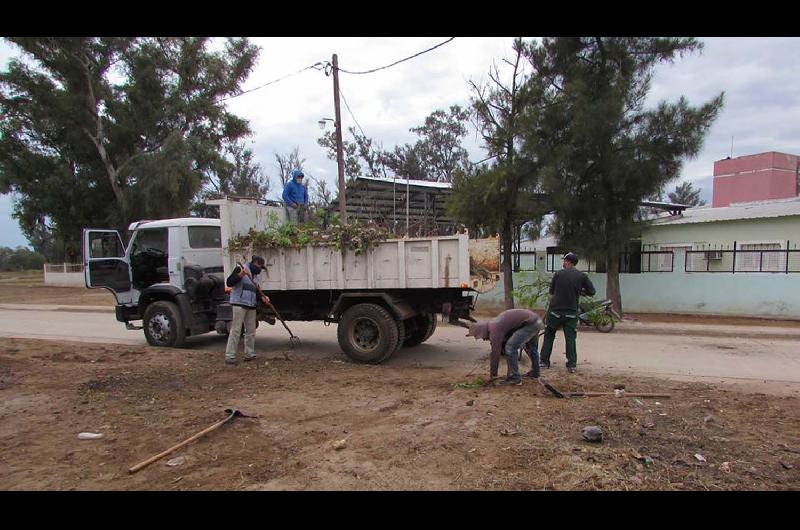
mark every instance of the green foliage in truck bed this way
{"type": "Point", "coordinates": [355, 236]}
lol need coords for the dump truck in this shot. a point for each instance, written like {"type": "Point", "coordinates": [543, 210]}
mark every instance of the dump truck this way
{"type": "Point", "coordinates": [171, 277]}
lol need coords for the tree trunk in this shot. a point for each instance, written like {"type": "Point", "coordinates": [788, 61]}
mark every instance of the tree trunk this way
{"type": "Point", "coordinates": [508, 278]}
{"type": "Point", "coordinates": [612, 281]}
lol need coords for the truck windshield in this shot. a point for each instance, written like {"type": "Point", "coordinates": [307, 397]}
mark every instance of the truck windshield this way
{"type": "Point", "coordinates": [153, 239]}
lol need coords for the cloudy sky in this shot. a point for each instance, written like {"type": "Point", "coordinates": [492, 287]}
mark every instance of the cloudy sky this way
{"type": "Point", "coordinates": [760, 77]}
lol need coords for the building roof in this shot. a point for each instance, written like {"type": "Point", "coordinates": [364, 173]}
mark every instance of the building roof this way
{"type": "Point", "coordinates": [734, 212]}
{"type": "Point", "coordinates": [411, 182]}
{"type": "Point", "coordinates": [542, 243]}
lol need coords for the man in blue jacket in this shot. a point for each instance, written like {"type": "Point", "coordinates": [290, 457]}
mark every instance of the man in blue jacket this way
{"type": "Point", "coordinates": [295, 198]}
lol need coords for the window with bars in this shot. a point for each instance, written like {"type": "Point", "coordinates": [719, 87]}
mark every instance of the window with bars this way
{"type": "Point", "coordinates": [749, 259]}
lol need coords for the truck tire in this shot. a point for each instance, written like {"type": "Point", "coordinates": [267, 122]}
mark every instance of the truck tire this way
{"type": "Point", "coordinates": [368, 333]}
{"type": "Point", "coordinates": [163, 325]}
{"type": "Point", "coordinates": [419, 329]}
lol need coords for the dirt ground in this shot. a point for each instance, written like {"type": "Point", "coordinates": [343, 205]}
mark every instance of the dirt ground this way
{"type": "Point", "coordinates": [30, 289]}
{"type": "Point", "coordinates": [403, 428]}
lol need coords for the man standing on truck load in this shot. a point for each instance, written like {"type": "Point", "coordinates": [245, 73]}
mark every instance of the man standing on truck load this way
{"type": "Point", "coordinates": [295, 198]}
{"type": "Point", "coordinates": [245, 293]}
{"type": "Point", "coordinates": [509, 331]}
{"type": "Point", "coordinates": [567, 286]}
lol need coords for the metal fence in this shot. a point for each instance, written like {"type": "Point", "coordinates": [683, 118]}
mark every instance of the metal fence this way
{"type": "Point", "coordinates": [743, 260]}
{"type": "Point", "coordinates": [629, 262]}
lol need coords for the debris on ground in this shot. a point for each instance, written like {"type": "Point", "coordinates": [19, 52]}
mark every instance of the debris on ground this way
{"type": "Point", "coordinates": [592, 434]}
{"type": "Point", "coordinates": [89, 436]}
{"type": "Point", "coordinates": [340, 444]}
{"type": "Point", "coordinates": [476, 383]}
{"type": "Point", "coordinates": [176, 461]}
{"type": "Point", "coordinates": [699, 457]}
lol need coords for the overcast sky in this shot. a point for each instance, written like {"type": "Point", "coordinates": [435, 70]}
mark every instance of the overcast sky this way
{"type": "Point", "coordinates": [760, 77]}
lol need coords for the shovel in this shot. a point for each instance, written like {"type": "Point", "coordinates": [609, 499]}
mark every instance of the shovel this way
{"type": "Point", "coordinates": [294, 341]}
{"type": "Point", "coordinates": [233, 413]}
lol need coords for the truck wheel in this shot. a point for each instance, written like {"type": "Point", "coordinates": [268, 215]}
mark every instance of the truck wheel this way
{"type": "Point", "coordinates": [419, 329]}
{"type": "Point", "coordinates": [367, 333]}
{"type": "Point", "coordinates": [163, 325]}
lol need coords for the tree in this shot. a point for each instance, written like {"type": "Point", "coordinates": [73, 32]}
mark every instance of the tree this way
{"type": "Point", "coordinates": [601, 150]}
{"type": "Point", "coordinates": [103, 131]}
{"type": "Point", "coordinates": [286, 163]}
{"type": "Point", "coordinates": [20, 259]}
{"type": "Point", "coordinates": [685, 193]}
{"type": "Point", "coordinates": [435, 156]}
{"type": "Point", "coordinates": [438, 152]}
{"type": "Point", "coordinates": [504, 194]}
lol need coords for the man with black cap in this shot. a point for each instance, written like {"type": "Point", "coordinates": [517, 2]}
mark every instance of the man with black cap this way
{"type": "Point", "coordinates": [567, 286]}
{"type": "Point", "coordinates": [245, 294]}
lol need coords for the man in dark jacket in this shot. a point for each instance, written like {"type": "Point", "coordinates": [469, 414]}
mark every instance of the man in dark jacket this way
{"type": "Point", "coordinates": [508, 332]}
{"type": "Point", "coordinates": [567, 286]}
{"type": "Point", "coordinates": [295, 197]}
{"type": "Point", "coordinates": [245, 294]}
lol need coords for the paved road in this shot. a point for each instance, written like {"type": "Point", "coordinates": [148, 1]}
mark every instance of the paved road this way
{"type": "Point", "coordinates": [761, 362]}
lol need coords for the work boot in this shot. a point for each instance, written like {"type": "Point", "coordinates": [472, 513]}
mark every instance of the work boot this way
{"type": "Point", "coordinates": [571, 369]}
{"type": "Point", "coordinates": [544, 364]}
{"type": "Point", "coordinates": [231, 361]}
{"type": "Point", "coordinates": [249, 357]}
{"type": "Point", "coordinates": [511, 382]}
{"type": "Point", "coordinates": [532, 375]}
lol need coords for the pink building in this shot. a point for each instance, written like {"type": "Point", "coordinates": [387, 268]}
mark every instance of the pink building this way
{"type": "Point", "coordinates": [758, 177]}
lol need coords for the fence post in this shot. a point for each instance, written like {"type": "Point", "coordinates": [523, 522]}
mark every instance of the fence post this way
{"type": "Point", "coordinates": [733, 269]}
{"type": "Point", "coordinates": [787, 256]}
{"type": "Point", "coordinates": [65, 267]}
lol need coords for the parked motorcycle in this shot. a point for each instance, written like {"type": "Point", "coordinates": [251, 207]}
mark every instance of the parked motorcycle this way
{"type": "Point", "coordinates": [601, 315]}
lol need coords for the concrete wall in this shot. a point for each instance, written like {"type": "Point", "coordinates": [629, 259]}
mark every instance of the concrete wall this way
{"type": "Point", "coordinates": [773, 295]}
{"type": "Point", "coordinates": [63, 275]}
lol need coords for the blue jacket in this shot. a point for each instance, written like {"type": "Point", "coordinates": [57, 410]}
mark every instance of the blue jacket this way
{"type": "Point", "coordinates": [294, 193]}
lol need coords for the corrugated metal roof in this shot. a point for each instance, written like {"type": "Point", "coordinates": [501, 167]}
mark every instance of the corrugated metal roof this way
{"type": "Point", "coordinates": [411, 182]}
{"type": "Point", "coordinates": [734, 212]}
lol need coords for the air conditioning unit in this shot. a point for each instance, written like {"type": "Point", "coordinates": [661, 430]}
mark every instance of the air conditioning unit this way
{"type": "Point", "coordinates": [714, 255]}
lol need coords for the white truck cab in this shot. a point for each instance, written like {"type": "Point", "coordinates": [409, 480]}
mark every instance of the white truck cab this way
{"type": "Point", "coordinates": [165, 261]}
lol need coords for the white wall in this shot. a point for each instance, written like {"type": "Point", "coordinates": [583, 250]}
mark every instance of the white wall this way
{"type": "Point", "coordinates": [755, 294]}
{"type": "Point", "coordinates": [54, 275]}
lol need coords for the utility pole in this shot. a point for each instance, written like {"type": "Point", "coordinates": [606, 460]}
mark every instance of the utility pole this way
{"type": "Point", "coordinates": [339, 148]}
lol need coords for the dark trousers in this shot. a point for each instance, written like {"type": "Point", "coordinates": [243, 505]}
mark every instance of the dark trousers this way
{"type": "Point", "coordinates": [569, 322]}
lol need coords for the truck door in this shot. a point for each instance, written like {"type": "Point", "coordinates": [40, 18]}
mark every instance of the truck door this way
{"type": "Point", "coordinates": [105, 265]}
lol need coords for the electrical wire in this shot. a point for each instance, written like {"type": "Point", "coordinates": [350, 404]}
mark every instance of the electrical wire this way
{"type": "Point", "coordinates": [315, 66]}
{"type": "Point", "coordinates": [351, 113]}
{"type": "Point", "coordinates": [397, 62]}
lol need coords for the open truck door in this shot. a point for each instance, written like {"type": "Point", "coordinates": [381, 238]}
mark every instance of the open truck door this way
{"type": "Point", "coordinates": [105, 264]}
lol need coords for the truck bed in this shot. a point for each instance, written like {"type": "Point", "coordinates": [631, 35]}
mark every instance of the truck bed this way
{"type": "Point", "coordinates": [409, 263]}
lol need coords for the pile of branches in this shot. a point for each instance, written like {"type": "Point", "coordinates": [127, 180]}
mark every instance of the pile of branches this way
{"type": "Point", "coordinates": [357, 237]}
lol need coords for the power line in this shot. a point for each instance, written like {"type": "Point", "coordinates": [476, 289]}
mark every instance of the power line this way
{"type": "Point", "coordinates": [315, 66]}
{"type": "Point", "coordinates": [397, 62]}
{"type": "Point", "coordinates": [351, 113]}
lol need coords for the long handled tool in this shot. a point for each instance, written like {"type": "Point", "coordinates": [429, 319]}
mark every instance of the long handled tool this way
{"type": "Point", "coordinates": [294, 340]}
{"type": "Point", "coordinates": [233, 413]}
{"type": "Point", "coordinates": [553, 390]}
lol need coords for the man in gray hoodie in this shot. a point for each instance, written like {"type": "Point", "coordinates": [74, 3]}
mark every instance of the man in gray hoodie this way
{"type": "Point", "coordinates": [510, 331]}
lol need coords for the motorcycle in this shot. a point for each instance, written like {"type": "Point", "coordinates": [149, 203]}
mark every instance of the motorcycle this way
{"type": "Point", "coordinates": [601, 315]}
